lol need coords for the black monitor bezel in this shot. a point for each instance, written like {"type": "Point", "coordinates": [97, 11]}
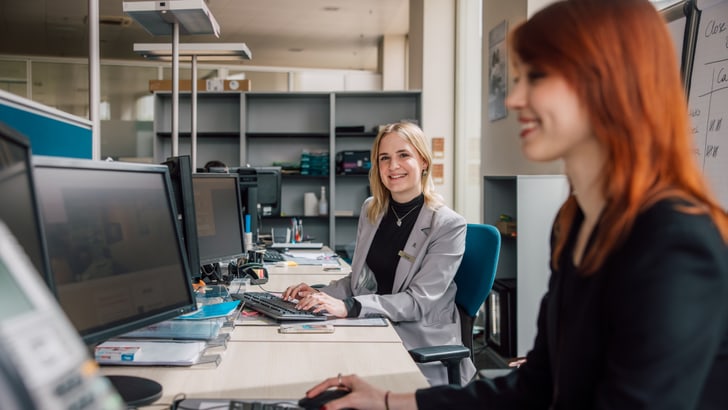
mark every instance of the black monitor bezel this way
{"type": "Point", "coordinates": [96, 336]}
{"type": "Point", "coordinates": [186, 198]}
{"type": "Point", "coordinates": [208, 259]}
{"type": "Point", "coordinates": [15, 137]}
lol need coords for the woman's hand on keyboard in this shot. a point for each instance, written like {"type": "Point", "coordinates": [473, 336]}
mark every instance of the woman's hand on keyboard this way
{"type": "Point", "coordinates": [297, 292]}
{"type": "Point", "coordinates": [319, 301]}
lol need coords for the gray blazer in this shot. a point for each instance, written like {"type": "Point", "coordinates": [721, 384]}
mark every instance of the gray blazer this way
{"type": "Point", "coordinates": [422, 304]}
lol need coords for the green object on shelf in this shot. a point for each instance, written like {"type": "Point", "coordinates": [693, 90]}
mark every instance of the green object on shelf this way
{"type": "Point", "coordinates": [505, 218]}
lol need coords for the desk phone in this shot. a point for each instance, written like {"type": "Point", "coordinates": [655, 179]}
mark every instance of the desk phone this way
{"type": "Point", "coordinates": [43, 362]}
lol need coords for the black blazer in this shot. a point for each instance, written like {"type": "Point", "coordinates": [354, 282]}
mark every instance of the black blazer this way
{"type": "Point", "coordinates": [648, 331]}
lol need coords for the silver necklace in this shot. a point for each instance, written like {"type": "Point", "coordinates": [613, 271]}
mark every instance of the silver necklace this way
{"type": "Point", "coordinates": [399, 218]}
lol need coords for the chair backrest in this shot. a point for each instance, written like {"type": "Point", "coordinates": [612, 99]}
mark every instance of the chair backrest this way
{"type": "Point", "coordinates": [477, 270]}
{"type": "Point", "coordinates": [475, 275]}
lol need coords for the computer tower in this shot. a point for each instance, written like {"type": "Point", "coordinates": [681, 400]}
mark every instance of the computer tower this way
{"type": "Point", "coordinates": [501, 318]}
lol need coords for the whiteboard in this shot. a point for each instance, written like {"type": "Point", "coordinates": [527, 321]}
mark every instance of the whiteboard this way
{"type": "Point", "coordinates": [708, 97]}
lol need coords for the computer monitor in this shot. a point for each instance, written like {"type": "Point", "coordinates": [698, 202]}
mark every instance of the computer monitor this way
{"type": "Point", "coordinates": [180, 171]}
{"type": "Point", "coordinates": [269, 190]}
{"type": "Point", "coordinates": [116, 252]}
{"type": "Point", "coordinates": [219, 220]}
{"type": "Point", "coordinates": [18, 202]}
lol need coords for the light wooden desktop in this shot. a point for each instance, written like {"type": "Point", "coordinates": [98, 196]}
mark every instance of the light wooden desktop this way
{"type": "Point", "coordinates": [283, 370]}
{"type": "Point", "coordinates": [260, 363]}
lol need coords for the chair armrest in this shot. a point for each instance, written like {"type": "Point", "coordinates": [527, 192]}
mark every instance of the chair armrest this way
{"type": "Point", "coordinates": [439, 353]}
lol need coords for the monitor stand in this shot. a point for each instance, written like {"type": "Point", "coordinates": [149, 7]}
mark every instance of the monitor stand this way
{"type": "Point", "coordinates": [136, 391]}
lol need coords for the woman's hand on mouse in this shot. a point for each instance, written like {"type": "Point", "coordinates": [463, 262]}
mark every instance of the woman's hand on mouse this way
{"type": "Point", "coordinates": [319, 301]}
{"type": "Point", "coordinates": [297, 292]}
{"type": "Point", "coordinates": [362, 396]}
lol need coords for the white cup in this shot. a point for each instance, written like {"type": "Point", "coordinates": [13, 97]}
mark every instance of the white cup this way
{"type": "Point", "coordinates": [310, 204]}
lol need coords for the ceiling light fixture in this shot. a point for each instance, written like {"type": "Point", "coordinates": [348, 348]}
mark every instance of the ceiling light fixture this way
{"type": "Point", "coordinates": [203, 51]}
{"type": "Point", "coordinates": [158, 17]}
{"type": "Point", "coordinates": [170, 17]}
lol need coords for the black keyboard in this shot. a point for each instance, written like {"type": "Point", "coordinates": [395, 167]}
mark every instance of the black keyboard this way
{"type": "Point", "coordinates": [236, 404]}
{"type": "Point", "coordinates": [275, 307]}
{"type": "Point", "coordinates": [272, 256]}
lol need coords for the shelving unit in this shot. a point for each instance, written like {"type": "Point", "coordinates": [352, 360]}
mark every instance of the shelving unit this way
{"type": "Point", "coordinates": [218, 129]}
{"type": "Point", "coordinates": [258, 129]}
{"type": "Point", "coordinates": [531, 200]}
{"type": "Point", "coordinates": [279, 126]}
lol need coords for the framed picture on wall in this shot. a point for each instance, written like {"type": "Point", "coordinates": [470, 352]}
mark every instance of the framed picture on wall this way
{"type": "Point", "coordinates": [497, 72]}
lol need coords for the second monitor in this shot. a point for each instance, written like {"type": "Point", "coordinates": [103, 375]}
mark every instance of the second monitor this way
{"type": "Point", "coordinates": [218, 215]}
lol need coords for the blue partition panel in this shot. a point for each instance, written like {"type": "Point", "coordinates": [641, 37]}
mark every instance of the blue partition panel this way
{"type": "Point", "coordinates": [51, 132]}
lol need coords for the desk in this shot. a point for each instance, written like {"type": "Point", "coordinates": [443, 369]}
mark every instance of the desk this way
{"type": "Point", "coordinates": [260, 363]}
{"type": "Point", "coordinates": [284, 370]}
{"type": "Point", "coordinates": [269, 333]}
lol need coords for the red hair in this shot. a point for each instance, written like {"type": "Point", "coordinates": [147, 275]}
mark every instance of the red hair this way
{"type": "Point", "coordinates": [619, 58]}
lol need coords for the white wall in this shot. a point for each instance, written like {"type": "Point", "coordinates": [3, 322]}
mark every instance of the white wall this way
{"type": "Point", "coordinates": [331, 81]}
{"type": "Point", "coordinates": [468, 78]}
{"type": "Point", "coordinates": [539, 198]}
{"type": "Point", "coordinates": [393, 61]}
{"type": "Point", "coordinates": [432, 70]}
{"type": "Point", "coordinates": [501, 153]}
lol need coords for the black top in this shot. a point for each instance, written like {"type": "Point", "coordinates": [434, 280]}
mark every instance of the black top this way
{"type": "Point", "coordinates": [389, 239]}
{"type": "Point", "coordinates": [649, 330]}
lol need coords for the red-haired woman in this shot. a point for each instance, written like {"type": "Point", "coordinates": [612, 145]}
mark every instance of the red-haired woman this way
{"type": "Point", "coordinates": [636, 313]}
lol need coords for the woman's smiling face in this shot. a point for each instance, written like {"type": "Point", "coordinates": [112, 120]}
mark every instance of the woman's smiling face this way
{"type": "Point", "coordinates": [400, 167]}
{"type": "Point", "coordinates": [554, 122]}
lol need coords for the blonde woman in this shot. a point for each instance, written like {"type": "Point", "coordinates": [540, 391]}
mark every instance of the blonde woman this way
{"type": "Point", "coordinates": [408, 248]}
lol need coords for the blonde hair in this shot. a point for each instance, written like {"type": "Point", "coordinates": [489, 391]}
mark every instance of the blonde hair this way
{"type": "Point", "coordinates": [414, 135]}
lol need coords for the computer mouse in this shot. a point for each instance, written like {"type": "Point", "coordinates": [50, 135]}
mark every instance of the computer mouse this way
{"type": "Point", "coordinates": [316, 402]}
{"type": "Point", "coordinates": [318, 286]}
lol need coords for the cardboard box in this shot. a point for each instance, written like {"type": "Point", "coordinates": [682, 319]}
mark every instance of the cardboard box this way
{"type": "Point", "coordinates": [202, 85]}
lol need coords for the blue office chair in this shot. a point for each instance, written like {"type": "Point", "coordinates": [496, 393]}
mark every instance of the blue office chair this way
{"type": "Point", "coordinates": [474, 279]}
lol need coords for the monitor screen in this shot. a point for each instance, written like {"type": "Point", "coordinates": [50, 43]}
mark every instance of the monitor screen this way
{"type": "Point", "coordinates": [18, 202]}
{"type": "Point", "coordinates": [114, 245]}
{"type": "Point", "coordinates": [180, 171]}
{"type": "Point", "coordinates": [269, 190]}
{"type": "Point", "coordinates": [219, 219]}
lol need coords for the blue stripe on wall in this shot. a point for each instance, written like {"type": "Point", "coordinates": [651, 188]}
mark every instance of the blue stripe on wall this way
{"type": "Point", "coordinates": [49, 136]}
